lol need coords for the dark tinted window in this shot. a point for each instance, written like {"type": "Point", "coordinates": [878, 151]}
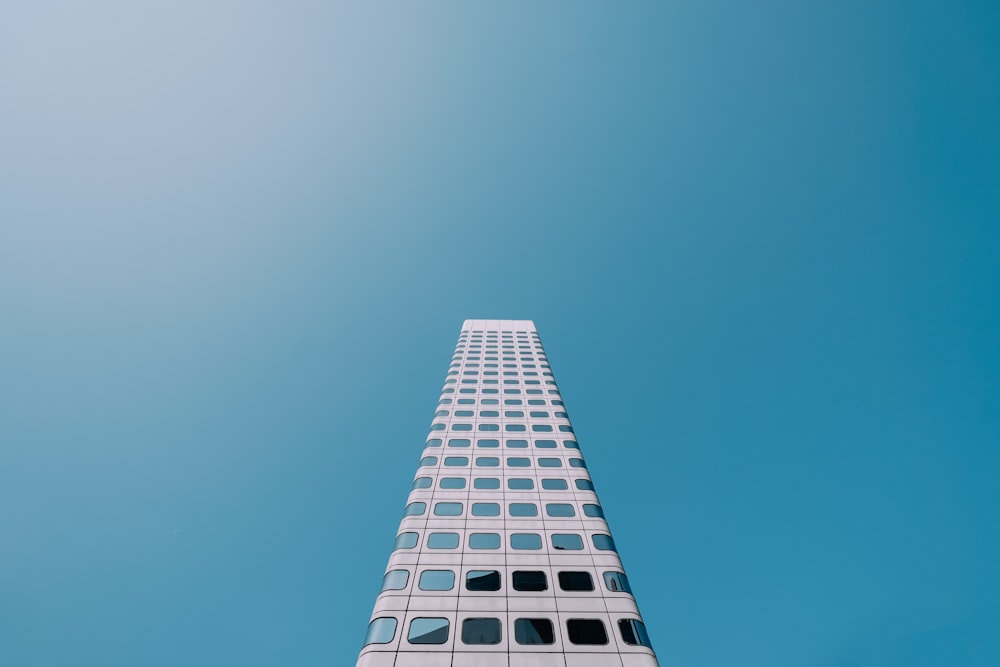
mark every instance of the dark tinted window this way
{"type": "Point", "coordinates": [428, 631]}
{"type": "Point", "coordinates": [576, 581]}
{"type": "Point", "coordinates": [529, 580]}
{"type": "Point", "coordinates": [482, 580]}
{"type": "Point", "coordinates": [586, 631]}
{"type": "Point", "coordinates": [481, 631]}
{"type": "Point", "coordinates": [617, 582]}
{"type": "Point", "coordinates": [634, 632]}
{"type": "Point", "coordinates": [531, 631]}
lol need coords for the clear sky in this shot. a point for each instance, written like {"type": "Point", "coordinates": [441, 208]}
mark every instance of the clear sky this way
{"type": "Point", "coordinates": [760, 241]}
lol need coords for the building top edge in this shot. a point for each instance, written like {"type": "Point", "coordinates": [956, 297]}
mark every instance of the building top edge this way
{"type": "Point", "coordinates": [490, 325]}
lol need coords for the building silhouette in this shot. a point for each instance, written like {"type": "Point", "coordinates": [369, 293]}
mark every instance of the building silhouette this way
{"type": "Point", "coordinates": [503, 557]}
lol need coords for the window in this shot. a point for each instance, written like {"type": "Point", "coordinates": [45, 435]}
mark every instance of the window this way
{"type": "Point", "coordinates": [395, 580]}
{"type": "Point", "coordinates": [529, 580]}
{"type": "Point", "coordinates": [576, 581]}
{"type": "Point", "coordinates": [634, 632]}
{"type": "Point", "coordinates": [487, 461]}
{"type": "Point", "coordinates": [555, 484]}
{"type": "Point", "coordinates": [465, 413]}
{"type": "Point", "coordinates": [442, 541]}
{"type": "Point", "coordinates": [437, 427]}
{"type": "Point", "coordinates": [513, 428]}
{"type": "Point", "coordinates": [489, 427]}
{"type": "Point", "coordinates": [523, 509]}
{"type": "Point", "coordinates": [433, 442]}
{"type": "Point", "coordinates": [428, 461]}
{"type": "Point", "coordinates": [487, 443]}
{"type": "Point", "coordinates": [436, 580]}
{"type": "Point", "coordinates": [577, 463]}
{"type": "Point", "coordinates": [512, 401]}
{"type": "Point", "coordinates": [617, 582]}
{"type": "Point", "coordinates": [541, 428]}
{"type": "Point", "coordinates": [603, 542]}
{"type": "Point", "coordinates": [381, 631]}
{"type": "Point", "coordinates": [517, 444]}
{"type": "Point", "coordinates": [533, 631]}
{"type": "Point", "coordinates": [456, 460]}
{"type": "Point", "coordinates": [466, 401]}
{"type": "Point", "coordinates": [560, 510]}
{"type": "Point", "coordinates": [481, 631]}
{"type": "Point", "coordinates": [520, 483]}
{"type": "Point", "coordinates": [415, 509]}
{"type": "Point", "coordinates": [405, 541]}
{"type": "Point", "coordinates": [518, 462]}
{"type": "Point", "coordinates": [546, 462]}
{"type": "Point", "coordinates": [428, 631]}
{"type": "Point", "coordinates": [484, 541]}
{"type": "Point", "coordinates": [593, 510]}
{"type": "Point", "coordinates": [458, 442]}
{"type": "Point", "coordinates": [584, 484]}
{"type": "Point", "coordinates": [489, 413]}
{"type": "Point", "coordinates": [545, 444]}
{"type": "Point", "coordinates": [421, 483]}
{"type": "Point", "coordinates": [485, 509]}
{"type": "Point", "coordinates": [525, 541]}
{"type": "Point", "coordinates": [486, 483]}
{"type": "Point", "coordinates": [539, 413]}
{"type": "Point", "coordinates": [586, 631]}
{"type": "Point", "coordinates": [565, 428]}
{"type": "Point", "coordinates": [461, 427]}
{"type": "Point", "coordinates": [567, 541]}
{"type": "Point", "coordinates": [571, 444]}
{"type": "Point", "coordinates": [448, 509]}
{"type": "Point", "coordinates": [482, 580]}
{"type": "Point", "coordinates": [452, 483]}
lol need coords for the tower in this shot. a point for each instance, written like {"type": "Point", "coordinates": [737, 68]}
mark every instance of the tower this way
{"type": "Point", "coordinates": [503, 557]}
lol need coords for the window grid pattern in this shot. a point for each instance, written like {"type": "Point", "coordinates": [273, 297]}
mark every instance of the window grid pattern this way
{"type": "Point", "coordinates": [511, 512]}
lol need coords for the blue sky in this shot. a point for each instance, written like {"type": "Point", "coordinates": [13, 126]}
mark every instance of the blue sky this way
{"type": "Point", "coordinates": [760, 241]}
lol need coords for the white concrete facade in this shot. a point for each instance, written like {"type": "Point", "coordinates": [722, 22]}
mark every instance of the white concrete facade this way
{"type": "Point", "coordinates": [503, 557]}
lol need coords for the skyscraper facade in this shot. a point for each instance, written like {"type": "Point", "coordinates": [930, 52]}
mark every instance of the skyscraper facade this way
{"type": "Point", "coordinates": [503, 557]}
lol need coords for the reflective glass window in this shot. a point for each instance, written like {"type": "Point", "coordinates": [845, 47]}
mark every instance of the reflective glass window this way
{"type": "Point", "coordinates": [433, 442]}
{"type": "Point", "coordinates": [571, 444]}
{"type": "Point", "coordinates": [549, 462]}
{"type": "Point", "coordinates": [484, 541]}
{"type": "Point", "coordinates": [617, 582]}
{"type": "Point", "coordinates": [428, 631]}
{"type": "Point", "coordinates": [456, 461]}
{"type": "Point", "coordinates": [487, 443]}
{"type": "Point", "coordinates": [461, 427]}
{"type": "Point", "coordinates": [486, 483]}
{"type": "Point", "coordinates": [577, 463]}
{"type": "Point", "coordinates": [405, 541]}
{"type": "Point", "coordinates": [429, 461]}
{"type": "Point", "coordinates": [555, 484]}
{"type": "Point", "coordinates": [567, 542]}
{"type": "Point", "coordinates": [485, 509]}
{"type": "Point", "coordinates": [603, 542]}
{"type": "Point", "coordinates": [442, 541]}
{"type": "Point", "coordinates": [517, 444]}
{"type": "Point", "coordinates": [560, 510]}
{"type": "Point", "coordinates": [436, 580]}
{"type": "Point", "coordinates": [520, 483]}
{"type": "Point", "coordinates": [448, 509]}
{"type": "Point", "coordinates": [518, 462]}
{"type": "Point", "coordinates": [545, 444]}
{"type": "Point", "coordinates": [381, 631]}
{"type": "Point", "coordinates": [422, 483]}
{"type": "Point", "coordinates": [415, 509]}
{"type": "Point", "coordinates": [584, 485]}
{"type": "Point", "coordinates": [395, 580]}
{"type": "Point", "coordinates": [487, 461]}
{"type": "Point", "coordinates": [489, 427]}
{"type": "Point", "coordinates": [593, 510]}
{"type": "Point", "coordinates": [458, 442]}
{"type": "Point", "coordinates": [527, 541]}
{"type": "Point", "coordinates": [452, 483]}
{"type": "Point", "coordinates": [515, 428]}
{"type": "Point", "coordinates": [634, 632]}
{"type": "Point", "coordinates": [523, 509]}
{"type": "Point", "coordinates": [482, 580]}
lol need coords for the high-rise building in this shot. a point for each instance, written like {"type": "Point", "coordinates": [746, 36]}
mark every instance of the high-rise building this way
{"type": "Point", "coordinates": [503, 557]}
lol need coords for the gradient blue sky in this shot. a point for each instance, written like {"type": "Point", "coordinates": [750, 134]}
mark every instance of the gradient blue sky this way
{"type": "Point", "coordinates": [760, 241]}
